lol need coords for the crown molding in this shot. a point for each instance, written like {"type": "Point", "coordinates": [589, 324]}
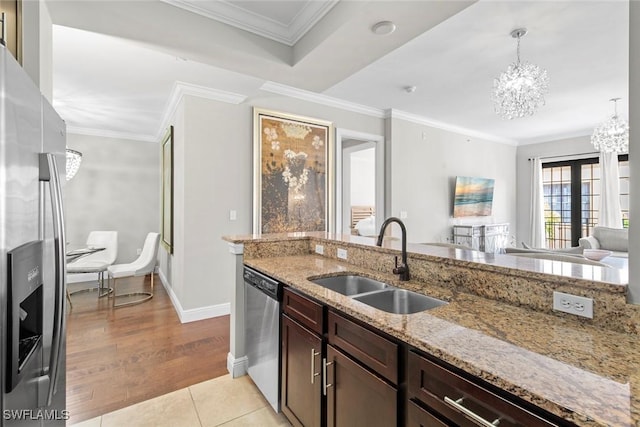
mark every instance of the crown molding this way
{"type": "Point", "coordinates": [317, 98]}
{"type": "Point", "coordinates": [110, 134]}
{"type": "Point", "coordinates": [180, 89]}
{"type": "Point", "coordinates": [558, 137]}
{"type": "Point", "coordinates": [414, 118]}
{"type": "Point", "coordinates": [238, 17]}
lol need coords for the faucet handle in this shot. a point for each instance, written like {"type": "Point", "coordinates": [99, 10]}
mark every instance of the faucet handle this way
{"type": "Point", "coordinates": [399, 270]}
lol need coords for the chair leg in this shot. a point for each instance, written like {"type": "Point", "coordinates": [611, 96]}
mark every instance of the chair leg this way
{"type": "Point", "coordinates": [69, 299]}
{"type": "Point", "coordinates": [147, 295]}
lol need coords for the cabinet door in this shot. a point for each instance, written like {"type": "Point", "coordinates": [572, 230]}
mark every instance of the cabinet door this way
{"type": "Point", "coordinates": [301, 374]}
{"type": "Point", "coordinates": [357, 397]}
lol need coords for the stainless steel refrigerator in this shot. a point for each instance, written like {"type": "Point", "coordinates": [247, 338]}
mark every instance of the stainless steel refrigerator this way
{"type": "Point", "coordinates": [32, 259]}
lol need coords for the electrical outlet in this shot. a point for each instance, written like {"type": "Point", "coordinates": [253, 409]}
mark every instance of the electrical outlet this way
{"type": "Point", "coordinates": [233, 215]}
{"type": "Point", "coordinates": [342, 253]}
{"type": "Point", "coordinates": [403, 214]}
{"type": "Point", "coordinates": [573, 304]}
{"type": "Point", "coordinates": [319, 249]}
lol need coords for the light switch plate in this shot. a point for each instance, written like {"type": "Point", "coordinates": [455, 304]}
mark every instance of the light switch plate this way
{"type": "Point", "coordinates": [573, 304]}
{"type": "Point", "coordinates": [342, 253]}
{"type": "Point", "coordinates": [233, 215]}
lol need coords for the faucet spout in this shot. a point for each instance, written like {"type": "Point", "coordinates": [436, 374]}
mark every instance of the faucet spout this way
{"type": "Point", "coordinates": [403, 268]}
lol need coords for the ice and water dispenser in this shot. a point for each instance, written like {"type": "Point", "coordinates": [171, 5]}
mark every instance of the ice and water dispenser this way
{"type": "Point", "coordinates": [24, 309]}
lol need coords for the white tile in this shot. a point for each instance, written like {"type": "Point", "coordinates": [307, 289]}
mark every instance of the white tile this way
{"type": "Point", "coordinates": [174, 409]}
{"type": "Point", "coordinates": [265, 417]}
{"type": "Point", "coordinates": [93, 422]}
{"type": "Point", "coordinates": [224, 399]}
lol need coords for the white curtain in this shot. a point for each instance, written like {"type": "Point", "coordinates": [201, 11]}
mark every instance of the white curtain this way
{"type": "Point", "coordinates": [538, 238]}
{"type": "Point", "coordinates": [610, 212]}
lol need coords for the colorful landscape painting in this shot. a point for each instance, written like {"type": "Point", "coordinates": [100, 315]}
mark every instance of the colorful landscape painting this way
{"type": "Point", "coordinates": [473, 196]}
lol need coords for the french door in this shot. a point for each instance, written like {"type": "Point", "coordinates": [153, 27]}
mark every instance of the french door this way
{"type": "Point", "coordinates": [572, 199]}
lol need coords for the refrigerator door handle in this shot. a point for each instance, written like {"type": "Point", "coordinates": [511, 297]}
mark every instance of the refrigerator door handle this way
{"type": "Point", "coordinates": [49, 172]}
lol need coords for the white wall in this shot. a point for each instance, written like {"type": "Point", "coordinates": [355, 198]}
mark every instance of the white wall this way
{"type": "Point", "coordinates": [213, 146]}
{"type": "Point", "coordinates": [116, 188]}
{"type": "Point", "coordinates": [634, 150]}
{"type": "Point", "coordinates": [549, 151]}
{"type": "Point", "coordinates": [37, 45]}
{"type": "Point", "coordinates": [363, 177]}
{"type": "Point", "coordinates": [171, 266]}
{"type": "Point", "coordinates": [424, 162]}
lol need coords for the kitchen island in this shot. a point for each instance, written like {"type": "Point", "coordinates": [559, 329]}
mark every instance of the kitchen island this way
{"type": "Point", "coordinates": [497, 326]}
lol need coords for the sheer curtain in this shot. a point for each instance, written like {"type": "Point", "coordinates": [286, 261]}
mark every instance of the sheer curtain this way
{"type": "Point", "coordinates": [610, 212]}
{"type": "Point", "coordinates": [538, 238]}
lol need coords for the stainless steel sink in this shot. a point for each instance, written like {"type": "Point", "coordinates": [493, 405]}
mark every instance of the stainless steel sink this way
{"type": "Point", "coordinates": [350, 284]}
{"type": "Point", "coordinates": [400, 301]}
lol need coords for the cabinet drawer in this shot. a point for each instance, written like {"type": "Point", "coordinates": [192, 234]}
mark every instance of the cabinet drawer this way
{"type": "Point", "coordinates": [369, 348]}
{"type": "Point", "coordinates": [302, 309]}
{"type": "Point", "coordinates": [419, 417]}
{"type": "Point", "coordinates": [431, 383]}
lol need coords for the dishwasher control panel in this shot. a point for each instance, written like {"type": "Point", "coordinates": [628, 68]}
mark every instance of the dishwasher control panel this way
{"type": "Point", "coordinates": [266, 284]}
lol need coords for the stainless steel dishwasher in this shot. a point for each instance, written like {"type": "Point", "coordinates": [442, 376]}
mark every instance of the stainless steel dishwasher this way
{"type": "Point", "coordinates": [262, 297]}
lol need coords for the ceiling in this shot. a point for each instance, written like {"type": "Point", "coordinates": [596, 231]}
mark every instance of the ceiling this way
{"type": "Point", "coordinates": [115, 64]}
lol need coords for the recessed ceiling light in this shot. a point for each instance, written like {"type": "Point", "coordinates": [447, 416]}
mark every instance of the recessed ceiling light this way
{"type": "Point", "coordinates": [383, 28]}
{"type": "Point", "coordinates": [410, 89]}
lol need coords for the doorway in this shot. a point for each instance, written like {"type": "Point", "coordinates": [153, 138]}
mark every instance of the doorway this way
{"type": "Point", "coordinates": [360, 181]}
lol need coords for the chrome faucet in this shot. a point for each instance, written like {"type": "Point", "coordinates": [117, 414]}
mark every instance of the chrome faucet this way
{"type": "Point", "coordinates": [402, 269]}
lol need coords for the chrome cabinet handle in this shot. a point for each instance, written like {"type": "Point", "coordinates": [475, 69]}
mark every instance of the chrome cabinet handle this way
{"type": "Point", "coordinates": [313, 365]}
{"type": "Point", "coordinates": [49, 172]}
{"type": "Point", "coordinates": [325, 385]}
{"type": "Point", "coordinates": [457, 404]}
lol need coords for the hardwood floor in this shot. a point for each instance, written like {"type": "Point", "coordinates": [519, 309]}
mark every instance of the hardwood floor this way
{"type": "Point", "coordinates": [116, 358]}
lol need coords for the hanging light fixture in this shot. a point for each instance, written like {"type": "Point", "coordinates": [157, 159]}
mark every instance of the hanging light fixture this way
{"type": "Point", "coordinates": [519, 91]}
{"type": "Point", "coordinates": [74, 158]}
{"type": "Point", "coordinates": [612, 135]}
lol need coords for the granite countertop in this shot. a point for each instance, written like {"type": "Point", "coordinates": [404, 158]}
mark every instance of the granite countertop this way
{"type": "Point", "coordinates": [614, 278]}
{"type": "Point", "coordinates": [584, 374]}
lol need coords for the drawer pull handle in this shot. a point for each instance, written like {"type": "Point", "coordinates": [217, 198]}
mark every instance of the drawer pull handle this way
{"type": "Point", "coordinates": [313, 366]}
{"type": "Point", "coordinates": [325, 385]}
{"type": "Point", "coordinates": [457, 404]}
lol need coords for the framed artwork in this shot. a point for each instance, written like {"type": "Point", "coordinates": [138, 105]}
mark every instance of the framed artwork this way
{"type": "Point", "coordinates": [473, 196]}
{"type": "Point", "coordinates": [293, 173]}
{"type": "Point", "coordinates": [167, 191]}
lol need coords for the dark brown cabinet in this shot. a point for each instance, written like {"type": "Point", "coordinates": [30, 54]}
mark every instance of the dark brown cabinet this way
{"type": "Point", "coordinates": [301, 374]}
{"type": "Point", "coordinates": [356, 396]}
{"type": "Point", "coordinates": [337, 372]}
{"type": "Point", "coordinates": [436, 392]}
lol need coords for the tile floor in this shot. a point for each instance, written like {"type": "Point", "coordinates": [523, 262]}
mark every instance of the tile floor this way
{"type": "Point", "coordinates": [222, 401]}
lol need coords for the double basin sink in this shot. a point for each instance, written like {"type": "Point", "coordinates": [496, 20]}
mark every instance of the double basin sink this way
{"type": "Point", "coordinates": [378, 294]}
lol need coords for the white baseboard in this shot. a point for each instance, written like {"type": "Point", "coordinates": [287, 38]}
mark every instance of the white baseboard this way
{"type": "Point", "coordinates": [237, 367]}
{"type": "Point", "coordinates": [193, 314]}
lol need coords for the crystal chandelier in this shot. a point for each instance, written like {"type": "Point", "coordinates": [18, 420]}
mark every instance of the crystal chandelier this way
{"type": "Point", "coordinates": [612, 135]}
{"type": "Point", "coordinates": [74, 158]}
{"type": "Point", "coordinates": [520, 90]}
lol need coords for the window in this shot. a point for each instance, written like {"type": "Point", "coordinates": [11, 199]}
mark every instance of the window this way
{"type": "Point", "coordinates": [572, 199]}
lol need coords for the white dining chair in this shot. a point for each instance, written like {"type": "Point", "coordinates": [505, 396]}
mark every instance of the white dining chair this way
{"type": "Point", "coordinates": [143, 265]}
{"type": "Point", "coordinates": [97, 262]}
